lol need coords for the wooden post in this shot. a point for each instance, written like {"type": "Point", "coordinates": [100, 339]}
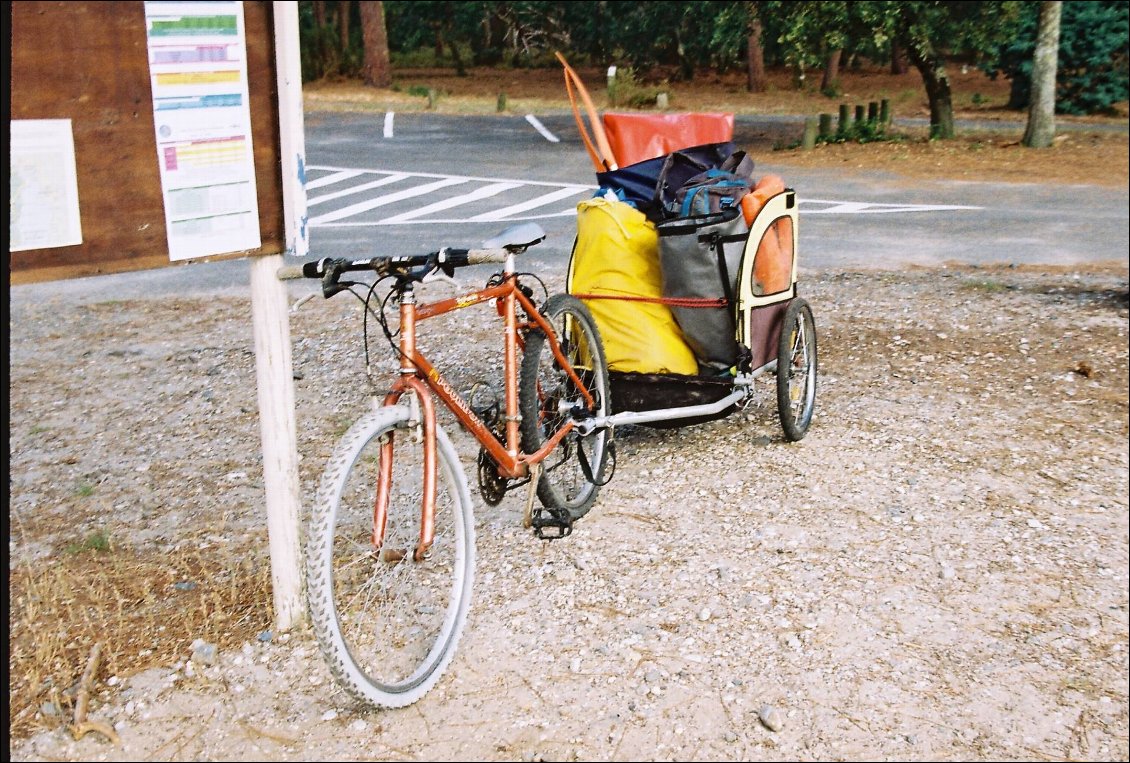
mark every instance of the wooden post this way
{"type": "Point", "coordinates": [661, 100]}
{"type": "Point", "coordinates": [845, 118]}
{"type": "Point", "coordinates": [872, 112]}
{"type": "Point", "coordinates": [274, 377]}
{"type": "Point", "coordinates": [501, 102]}
{"type": "Point", "coordinates": [809, 140]}
{"type": "Point", "coordinates": [859, 113]}
{"type": "Point", "coordinates": [432, 96]}
{"type": "Point", "coordinates": [885, 112]}
{"type": "Point", "coordinates": [825, 126]}
{"type": "Point", "coordinates": [271, 326]}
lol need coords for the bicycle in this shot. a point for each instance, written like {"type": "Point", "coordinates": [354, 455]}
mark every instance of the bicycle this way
{"type": "Point", "coordinates": [391, 549]}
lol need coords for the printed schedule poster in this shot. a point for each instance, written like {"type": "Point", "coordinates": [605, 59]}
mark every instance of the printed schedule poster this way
{"type": "Point", "coordinates": [198, 69]}
{"type": "Point", "coordinates": [43, 184]}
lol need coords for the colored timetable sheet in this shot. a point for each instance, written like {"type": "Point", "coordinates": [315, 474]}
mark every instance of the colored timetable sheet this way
{"type": "Point", "coordinates": [198, 70]}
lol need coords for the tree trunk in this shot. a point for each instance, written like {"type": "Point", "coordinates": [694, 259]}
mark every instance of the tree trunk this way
{"type": "Point", "coordinates": [898, 58]}
{"type": "Point", "coordinates": [320, 13]}
{"type": "Point", "coordinates": [343, 27]}
{"type": "Point", "coordinates": [831, 71]}
{"type": "Point", "coordinates": [932, 67]}
{"type": "Point", "coordinates": [755, 59]}
{"type": "Point", "coordinates": [376, 69]}
{"type": "Point", "coordinates": [1041, 107]}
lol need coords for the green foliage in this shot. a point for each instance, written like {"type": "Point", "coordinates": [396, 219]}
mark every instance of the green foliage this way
{"type": "Point", "coordinates": [627, 90]}
{"type": "Point", "coordinates": [1091, 73]}
{"type": "Point", "coordinates": [98, 541]}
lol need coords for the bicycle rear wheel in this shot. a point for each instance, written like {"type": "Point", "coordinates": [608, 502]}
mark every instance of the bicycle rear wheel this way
{"type": "Point", "coordinates": [573, 472]}
{"type": "Point", "coordinates": [388, 625]}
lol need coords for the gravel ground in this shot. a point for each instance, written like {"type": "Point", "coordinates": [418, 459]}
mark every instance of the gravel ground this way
{"type": "Point", "coordinates": [938, 571]}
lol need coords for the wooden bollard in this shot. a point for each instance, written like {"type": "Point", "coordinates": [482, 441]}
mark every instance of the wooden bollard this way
{"type": "Point", "coordinates": [809, 141]}
{"type": "Point", "coordinates": [872, 112]}
{"type": "Point", "coordinates": [501, 102]}
{"type": "Point", "coordinates": [859, 115]}
{"type": "Point", "coordinates": [885, 112]}
{"type": "Point", "coordinates": [845, 118]}
{"type": "Point", "coordinates": [825, 126]}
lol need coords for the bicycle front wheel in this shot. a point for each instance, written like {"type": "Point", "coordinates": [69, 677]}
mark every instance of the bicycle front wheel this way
{"type": "Point", "coordinates": [573, 473]}
{"type": "Point", "coordinates": [388, 625]}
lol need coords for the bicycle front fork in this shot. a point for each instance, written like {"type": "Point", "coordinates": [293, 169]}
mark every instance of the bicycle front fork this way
{"type": "Point", "coordinates": [421, 424]}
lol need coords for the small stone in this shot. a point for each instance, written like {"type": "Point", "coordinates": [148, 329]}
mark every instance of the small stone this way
{"type": "Point", "coordinates": [770, 717]}
{"type": "Point", "coordinates": [329, 715]}
{"type": "Point", "coordinates": [203, 652]}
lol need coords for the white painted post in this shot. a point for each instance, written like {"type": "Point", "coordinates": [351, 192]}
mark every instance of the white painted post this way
{"type": "Point", "coordinates": [278, 429]}
{"type": "Point", "coordinates": [292, 135]}
{"type": "Point", "coordinates": [274, 373]}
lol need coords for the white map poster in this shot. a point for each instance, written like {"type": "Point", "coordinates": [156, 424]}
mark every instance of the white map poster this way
{"type": "Point", "coordinates": [198, 70]}
{"type": "Point", "coordinates": [43, 184]}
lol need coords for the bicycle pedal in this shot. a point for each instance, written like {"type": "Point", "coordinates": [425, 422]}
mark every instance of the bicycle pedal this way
{"type": "Point", "coordinates": [552, 524]}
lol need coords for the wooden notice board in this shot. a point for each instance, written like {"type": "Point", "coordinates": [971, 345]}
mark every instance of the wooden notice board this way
{"type": "Point", "coordinates": [88, 62]}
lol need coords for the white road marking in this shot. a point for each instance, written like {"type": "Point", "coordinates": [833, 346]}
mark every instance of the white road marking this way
{"type": "Point", "coordinates": [336, 177]}
{"type": "Point", "coordinates": [868, 208]}
{"type": "Point", "coordinates": [365, 206]}
{"type": "Point", "coordinates": [541, 201]}
{"type": "Point", "coordinates": [541, 128]}
{"type": "Point", "coordinates": [388, 124]}
{"type": "Point", "coordinates": [515, 212]}
{"type": "Point", "coordinates": [394, 177]}
{"type": "Point", "coordinates": [484, 192]}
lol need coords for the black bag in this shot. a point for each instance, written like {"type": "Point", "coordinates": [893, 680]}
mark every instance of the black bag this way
{"type": "Point", "coordinates": [715, 189]}
{"type": "Point", "coordinates": [711, 190]}
{"type": "Point", "coordinates": [700, 259]}
{"type": "Point", "coordinates": [642, 184]}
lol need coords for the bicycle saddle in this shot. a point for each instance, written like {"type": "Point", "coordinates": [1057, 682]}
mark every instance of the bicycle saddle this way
{"type": "Point", "coordinates": [516, 238]}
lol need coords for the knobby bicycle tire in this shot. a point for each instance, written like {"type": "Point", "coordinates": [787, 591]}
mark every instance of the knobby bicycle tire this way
{"type": "Point", "coordinates": [387, 625]}
{"type": "Point", "coordinates": [573, 473]}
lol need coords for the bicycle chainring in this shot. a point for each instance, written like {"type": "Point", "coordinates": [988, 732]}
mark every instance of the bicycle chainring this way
{"type": "Point", "coordinates": [492, 485]}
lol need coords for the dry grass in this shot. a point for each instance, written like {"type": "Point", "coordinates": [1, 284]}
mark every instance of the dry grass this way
{"type": "Point", "coordinates": [130, 601]}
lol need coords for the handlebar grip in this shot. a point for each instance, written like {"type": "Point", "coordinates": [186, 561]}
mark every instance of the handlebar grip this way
{"type": "Point", "coordinates": [481, 256]}
{"type": "Point", "coordinates": [291, 272]}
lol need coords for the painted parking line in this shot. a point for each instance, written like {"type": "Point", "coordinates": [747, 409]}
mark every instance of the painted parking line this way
{"type": "Point", "coordinates": [337, 177]}
{"type": "Point", "coordinates": [518, 199]}
{"type": "Point", "coordinates": [869, 208]}
{"type": "Point", "coordinates": [392, 177]}
{"type": "Point", "coordinates": [540, 201]}
{"type": "Point", "coordinates": [485, 192]}
{"type": "Point", "coordinates": [542, 129]}
{"type": "Point", "coordinates": [365, 206]}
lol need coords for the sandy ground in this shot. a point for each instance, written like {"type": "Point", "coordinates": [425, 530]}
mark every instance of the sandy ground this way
{"type": "Point", "coordinates": [938, 571]}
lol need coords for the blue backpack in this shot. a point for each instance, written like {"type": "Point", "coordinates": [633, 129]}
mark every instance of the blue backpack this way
{"type": "Point", "coordinates": [710, 192]}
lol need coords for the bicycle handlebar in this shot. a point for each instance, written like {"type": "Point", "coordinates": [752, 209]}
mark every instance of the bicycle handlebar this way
{"type": "Point", "coordinates": [411, 267]}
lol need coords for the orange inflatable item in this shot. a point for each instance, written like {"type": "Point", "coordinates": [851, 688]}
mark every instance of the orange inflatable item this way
{"type": "Point", "coordinates": [638, 137]}
{"type": "Point", "coordinates": [773, 264]}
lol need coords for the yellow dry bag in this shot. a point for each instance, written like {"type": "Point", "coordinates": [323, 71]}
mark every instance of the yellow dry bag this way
{"type": "Point", "coordinates": [615, 271]}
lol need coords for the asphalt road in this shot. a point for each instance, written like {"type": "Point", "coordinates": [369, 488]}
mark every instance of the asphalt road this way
{"type": "Point", "coordinates": [367, 175]}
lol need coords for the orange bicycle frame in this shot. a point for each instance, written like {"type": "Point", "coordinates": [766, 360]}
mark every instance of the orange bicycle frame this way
{"type": "Point", "coordinates": [420, 377]}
